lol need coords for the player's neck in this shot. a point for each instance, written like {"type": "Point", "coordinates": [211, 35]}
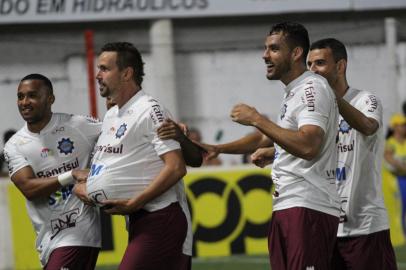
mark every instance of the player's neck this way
{"type": "Point", "coordinates": [127, 94]}
{"type": "Point", "coordinates": [39, 125]}
{"type": "Point", "coordinates": [341, 87]}
{"type": "Point", "coordinates": [293, 74]}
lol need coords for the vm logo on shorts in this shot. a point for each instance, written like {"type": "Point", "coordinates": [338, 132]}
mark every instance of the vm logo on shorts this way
{"type": "Point", "coordinates": [66, 220]}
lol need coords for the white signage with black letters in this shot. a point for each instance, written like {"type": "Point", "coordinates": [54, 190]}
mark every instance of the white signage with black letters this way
{"type": "Point", "coordinates": [56, 11]}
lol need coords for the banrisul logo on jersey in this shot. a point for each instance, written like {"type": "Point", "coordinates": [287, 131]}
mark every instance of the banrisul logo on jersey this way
{"type": "Point", "coordinates": [65, 146]}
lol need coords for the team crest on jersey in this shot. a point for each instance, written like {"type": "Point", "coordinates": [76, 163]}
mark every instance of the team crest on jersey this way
{"type": "Point", "coordinates": [344, 127]}
{"type": "Point", "coordinates": [65, 146]}
{"type": "Point", "coordinates": [283, 110]}
{"type": "Point", "coordinates": [45, 152]}
{"type": "Point", "coordinates": [121, 131]}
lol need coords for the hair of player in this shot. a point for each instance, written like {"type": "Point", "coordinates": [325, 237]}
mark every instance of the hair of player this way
{"type": "Point", "coordinates": [337, 48]}
{"type": "Point", "coordinates": [296, 36]}
{"type": "Point", "coordinates": [127, 56]}
{"type": "Point", "coordinates": [36, 76]}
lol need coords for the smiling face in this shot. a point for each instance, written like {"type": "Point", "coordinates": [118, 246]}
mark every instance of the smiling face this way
{"type": "Point", "coordinates": [321, 61]}
{"type": "Point", "coordinates": [34, 101]}
{"type": "Point", "coordinates": [277, 56]}
{"type": "Point", "coordinates": [109, 75]}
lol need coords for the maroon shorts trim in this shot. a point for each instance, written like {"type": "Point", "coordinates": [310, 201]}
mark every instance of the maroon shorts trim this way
{"type": "Point", "coordinates": [156, 240]}
{"type": "Point", "coordinates": [72, 258]}
{"type": "Point", "coordinates": [301, 238]}
{"type": "Point", "coordinates": [372, 251]}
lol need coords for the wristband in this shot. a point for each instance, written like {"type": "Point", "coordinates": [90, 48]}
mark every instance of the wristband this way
{"type": "Point", "coordinates": [66, 178]}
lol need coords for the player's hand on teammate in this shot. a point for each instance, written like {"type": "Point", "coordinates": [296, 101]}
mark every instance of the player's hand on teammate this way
{"type": "Point", "coordinates": [80, 175]}
{"type": "Point", "coordinates": [263, 156]}
{"type": "Point", "coordinates": [244, 114]}
{"type": "Point", "coordinates": [172, 130]}
{"type": "Point", "coordinates": [80, 191]}
{"type": "Point", "coordinates": [119, 207]}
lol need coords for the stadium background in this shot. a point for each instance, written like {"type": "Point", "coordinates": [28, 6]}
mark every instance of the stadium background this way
{"type": "Point", "coordinates": [202, 57]}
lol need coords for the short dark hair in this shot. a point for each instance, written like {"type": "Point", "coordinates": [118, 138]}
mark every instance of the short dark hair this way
{"type": "Point", "coordinates": [296, 35]}
{"type": "Point", "coordinates": [40, 77]}
{"type": "Point", "coordinates": [127, 56]}
{"type": "Point", "coordinates": [337, 48]}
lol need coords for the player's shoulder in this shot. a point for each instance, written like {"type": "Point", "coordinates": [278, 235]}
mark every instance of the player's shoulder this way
{"type": "Point", "coordinates": [313, 81]}
{"type": "Point", "coordinates": [77, 119]}
{"type": "Point", "coordinates": [363, 98]}
{"type": "Point", "coordinates": [21, 137]}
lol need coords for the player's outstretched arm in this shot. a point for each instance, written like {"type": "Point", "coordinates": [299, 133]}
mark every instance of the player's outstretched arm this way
{"type": "Point", "coordinates": [33, 187]}
{"type": "Point", "coordinates": [192, 153]}
{"type": "Point", "coordinates": [356, 119]}
{"type": "Point", "coordinates": [244, 145]}
{"type": "Point", "coordinates": [173, 170]}
{"type": "Point", "coordinates": [304, 143]}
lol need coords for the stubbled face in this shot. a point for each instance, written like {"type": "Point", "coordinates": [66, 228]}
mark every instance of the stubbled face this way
{"type": "Point", "coordinates": [277, 56]}
{"type": "Point", "coordinates": [108, 75]}
{"type": "Point", "coordinates": [33, 101]}
{"type": "Point", "coordinates": [321, 61]}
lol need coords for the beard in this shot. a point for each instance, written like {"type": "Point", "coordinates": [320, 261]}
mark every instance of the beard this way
{"type": "Point", "coordinates": [279, 71]}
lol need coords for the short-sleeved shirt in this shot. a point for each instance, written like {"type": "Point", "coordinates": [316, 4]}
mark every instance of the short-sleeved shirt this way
{"type": "Point", "coordinates": [308, 100]}
{"type": "Point", "coordinates": [358, 172]}
{"type": "Point", "coordinates": [65, 143]}
{"type": "Point", "coordinates": [127, 156]}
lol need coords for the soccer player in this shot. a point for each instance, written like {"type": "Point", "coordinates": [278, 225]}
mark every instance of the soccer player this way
{"type": "Point", "coordinates": [42, 158]}
{"type": "Point", "coordinates": [133, 171]}
{"type": "Point", "coordinates": [306, 205]}
{"type": "Point", "coordinates": [363, 235]}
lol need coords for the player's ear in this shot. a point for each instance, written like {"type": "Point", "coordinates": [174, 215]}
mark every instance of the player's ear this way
{"type": "Point", "coordinates": [128, 74]}
{"type": "Point", "coordinates": [297, 53]}
{"type": "Point", "coordinates": [51, 99]}
{"type": "Point", "coordinates": [342, 66]}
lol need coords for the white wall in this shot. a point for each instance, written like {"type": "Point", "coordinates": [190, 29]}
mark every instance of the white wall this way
{"type": "Point", "coordinates": [209, 84]}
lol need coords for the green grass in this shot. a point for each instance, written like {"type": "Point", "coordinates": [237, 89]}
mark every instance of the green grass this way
{"type": "Point", "coordinates": [243, 262]}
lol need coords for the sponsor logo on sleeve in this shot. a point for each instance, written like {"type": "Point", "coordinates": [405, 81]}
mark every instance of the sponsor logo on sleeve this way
{"type": "Point", "coordinates": [121, 131]}
{"type": "Point", "coordinates": [7, 159]}
{"type": "Point", "coordinates": [372, 103]}
{"type": "Point", "coordinates": [310, 99]}
{"type": "Point", "coordinates": [283, 111]}
{"type": "Point", "coordinates": [65, 146]}
{"type": "Point", "coordinates": [156, 114]}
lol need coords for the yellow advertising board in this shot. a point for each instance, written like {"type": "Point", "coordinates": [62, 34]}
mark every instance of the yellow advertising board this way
{"type": "Point", "coordinates": [231, 209]}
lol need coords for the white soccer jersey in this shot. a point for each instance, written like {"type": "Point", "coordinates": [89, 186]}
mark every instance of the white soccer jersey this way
{"type": "Point", "coordinates": [65, 143]}
{"type": "Point", "coordinates": [127, 157]}
{"type": "Point", "coordinates": [359, 171]}
{"type": "Point", "coordinates": [309, 100]}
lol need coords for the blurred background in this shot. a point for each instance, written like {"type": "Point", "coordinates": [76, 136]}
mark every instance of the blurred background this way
{"type": "Point", "coordinates": [201, 58]}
